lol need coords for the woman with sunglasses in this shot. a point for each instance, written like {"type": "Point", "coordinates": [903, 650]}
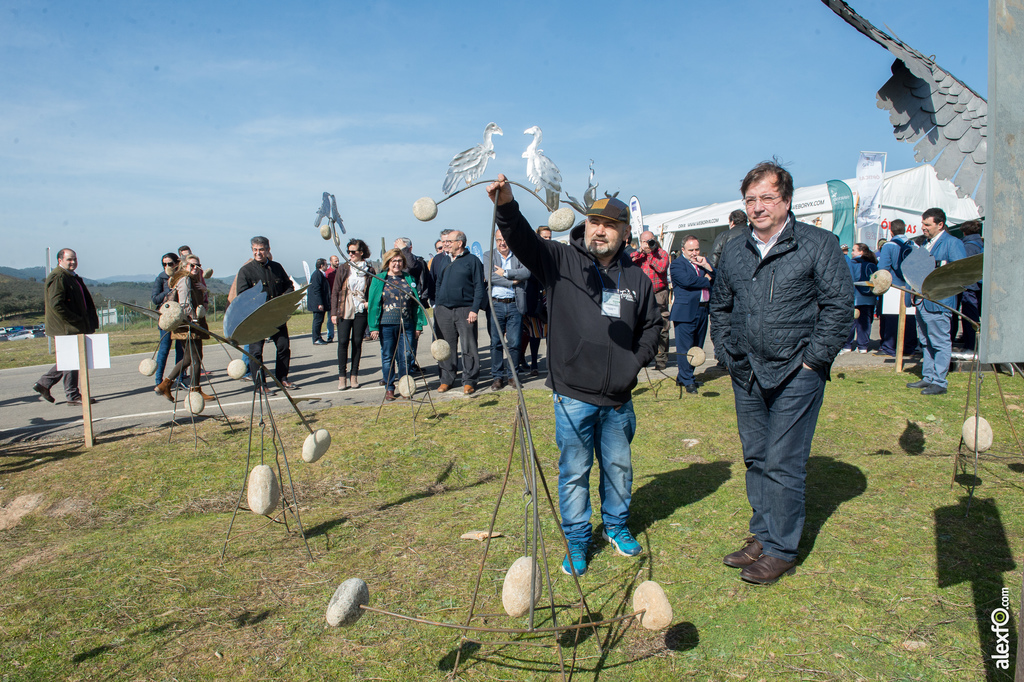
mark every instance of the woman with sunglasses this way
{"type": "Point", "coordinates": [187, 288]}
{"type": "Point", "coordinates": [348, 309]}
{"type": "Point", "coordinates": [395, 318]}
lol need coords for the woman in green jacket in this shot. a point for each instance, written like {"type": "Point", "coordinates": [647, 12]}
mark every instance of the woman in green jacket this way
{"type": "Point", "coordinates": [394, 318]}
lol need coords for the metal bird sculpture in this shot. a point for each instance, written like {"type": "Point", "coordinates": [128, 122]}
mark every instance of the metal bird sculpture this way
{"type": "Point", "coordinates": [470, 164]}
{"type": "Point", "coordinates": [324, 211]}
{"type": "Point", "coordinates": [541, 170]}
{"type": "Point", "coordinates": [589, 196]}
{"type": "Point", "coordinates": [334, 215]}
{"type": "Point", "coordinates": [928, 105]}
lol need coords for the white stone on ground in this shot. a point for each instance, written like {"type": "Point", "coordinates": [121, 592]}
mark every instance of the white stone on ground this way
{"type": "Point", "coordinates": [515, 592]}
{"type": "Point", "coordinates": [650, 596]}
{"type": "Point", "coordinates": [344, 606]}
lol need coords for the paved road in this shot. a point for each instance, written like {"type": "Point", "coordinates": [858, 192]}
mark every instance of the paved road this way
{"type": "Point", "coordinates": [127, 401]}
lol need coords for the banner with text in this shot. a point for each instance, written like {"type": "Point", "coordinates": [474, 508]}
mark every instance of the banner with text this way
{"type": "Point", "coordinates": [870, 171]}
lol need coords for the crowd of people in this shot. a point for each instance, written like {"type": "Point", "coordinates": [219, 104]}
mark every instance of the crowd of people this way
{"type": "Point", "coordinates": [777, 295]}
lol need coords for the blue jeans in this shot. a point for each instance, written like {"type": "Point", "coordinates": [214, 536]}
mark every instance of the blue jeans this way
{"type": "Point", "coordinates": [507, 319]}
{"type": "Point", "coordinates": [394, 349]}
{"type": "Point", "coordinates": [163, 351]}
{"type": "Point", "coordinates": [776, 428]}
{"type": "Point", "coordinates": [936, 346]}
{"type": "Point", "coordinates": [581, 429]}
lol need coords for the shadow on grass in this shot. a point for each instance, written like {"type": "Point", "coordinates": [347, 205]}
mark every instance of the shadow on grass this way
{"type": "Point", "coordinates": [912, 439]}
{"type": "Point", "coordinates": [247, 618]}
{"type": "Point", "coordinates": [447, 663]}
{"type": "Point", "coordinates": [438, 487]}
{"type": "Point", "coordinates": [666, 492]}
{"type": "Point", "coordinates": [682, 637]}
{"type": "Point", "coordinates": [323, 528]}
{"type": "Point", "coordinates": [829, 483]}
{"type": "Point", "coordinates": [972, 547]}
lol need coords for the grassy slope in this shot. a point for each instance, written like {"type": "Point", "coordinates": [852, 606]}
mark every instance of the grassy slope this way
{"type": "Point", "coordinates": [117, 574]}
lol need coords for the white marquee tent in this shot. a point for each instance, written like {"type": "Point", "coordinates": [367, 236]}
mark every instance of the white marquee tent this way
{"type": "Point", "coordinates": [905, 194]}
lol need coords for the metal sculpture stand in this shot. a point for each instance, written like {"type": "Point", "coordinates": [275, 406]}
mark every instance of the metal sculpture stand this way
{"type": "Point", "coordinates": [964, 448]}
{"type": "Point", "coordinates": [197, 371]}
{"type": "Point", "coordinates": [287, 505]}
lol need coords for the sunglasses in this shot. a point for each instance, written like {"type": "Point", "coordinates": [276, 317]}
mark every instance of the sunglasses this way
{"type": "Point", "coordinates": [353, 252]}
{"type": "Point", "coordinates": [168, 265]}
{"type": "Point", "coordinates": [195, 265]}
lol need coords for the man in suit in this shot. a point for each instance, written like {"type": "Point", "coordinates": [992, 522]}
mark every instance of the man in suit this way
{"type": "Point", "coordinates": [933, 320]}
{"type": "Point", "coordinates": [318, 299]}
{"type": "Point", "coordinates": [691, 280]}
{"type": "Point", "coordinates": [508, 295]}
{"type": "Point", "coordinates": [69, 310]}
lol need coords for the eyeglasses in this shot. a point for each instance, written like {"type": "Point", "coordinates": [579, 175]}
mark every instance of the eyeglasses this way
{"type": "Point", "coordinates": [353, 252]}
{"type": "Point", "coordinates": [168, 265]}
{"type": "Point", "coordinates": [767, 200]}
{"type": "Point", "coordinates": [195, 265]}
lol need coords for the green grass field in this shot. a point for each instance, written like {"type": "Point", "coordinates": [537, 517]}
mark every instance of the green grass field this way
{"type": "Point", "coordinates": [115, 573]}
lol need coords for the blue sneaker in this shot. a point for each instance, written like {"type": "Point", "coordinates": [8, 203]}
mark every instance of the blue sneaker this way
{"type": "Point", "coordinates": [622, 540]}
{"type": "Point", "coordinates": [576, 559]}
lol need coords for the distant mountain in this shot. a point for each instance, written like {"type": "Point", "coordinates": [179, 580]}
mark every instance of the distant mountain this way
{"type": "Point", "coordinates": [24, 273]}
{"type": "Point", "coordinates": [125, 278]}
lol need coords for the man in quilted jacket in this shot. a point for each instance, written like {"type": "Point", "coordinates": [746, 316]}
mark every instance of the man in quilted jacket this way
{"type": "Point", "coordinates": [781, 309]}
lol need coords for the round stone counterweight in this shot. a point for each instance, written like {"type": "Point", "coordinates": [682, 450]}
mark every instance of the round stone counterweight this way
{"type": "Point", "coordinates": [316, 445]}
{"type": "Point", "coordinates": [561, 219]}
{"type": "Point", "coordinates": [695, 356]}
{"type": "Point", "coordinates": [515, 592]}
{"type": "Point", "coordinates": [237, 368]}
{"type": "Point", "coordinates": [171, 316]}
{"type": "Point", "coordinates": [263, 492]}
{"type": "Point", "coordinates": [984, 430]}
{"type": "Point", "coordinates": [425, 209]}
{"type": "Point", "coordinates": [440, 350]}
{"type": "Point", "coordinates": [147, 367]}
{"type": "Point", "coordinates": [344, 607]}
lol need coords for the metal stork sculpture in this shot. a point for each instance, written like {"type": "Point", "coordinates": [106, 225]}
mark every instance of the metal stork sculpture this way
{"type": "Point", "coordinates": [542, 171]}
{"type": "Point", "coordinates": [470, 164]}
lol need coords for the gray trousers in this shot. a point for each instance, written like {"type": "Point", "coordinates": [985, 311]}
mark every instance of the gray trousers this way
{"type": "Point", "coordinates": [453, 327]}
{"type": "Point", "coordinates": [50, 379]}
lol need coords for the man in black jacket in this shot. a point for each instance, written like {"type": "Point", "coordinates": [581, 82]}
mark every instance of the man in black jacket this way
{"type": "Point", "coordinates": [780, 311]}
{"type": "Point", "coordinates": [318, 299]}
{"type": "Point", "coordinates": [275, 282]}
{"type": "Point", "coordinates": [459, 293]}
{"type": "Point", "coordinates": [604, 326]}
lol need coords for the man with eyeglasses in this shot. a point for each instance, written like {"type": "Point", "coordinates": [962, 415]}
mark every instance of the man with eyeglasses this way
{"type": "Point", "coordinates": [460, 292]}
{"type": "Point", "coordinates": [780, 311]}
{"type": "Point", "coordinates": [158, 295]}
{"type": "Point", "coordinates": [275, 282]}
{"type": "Point", "coordinates": [440, 260]}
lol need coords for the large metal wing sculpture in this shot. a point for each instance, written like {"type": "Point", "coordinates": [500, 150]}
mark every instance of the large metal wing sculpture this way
{"type": "Point", "coordinates": [930, 106]}
{"type": "Point", "coordinates": [470, 164]}
{"type": "Point", "coordinates": [541, 171]}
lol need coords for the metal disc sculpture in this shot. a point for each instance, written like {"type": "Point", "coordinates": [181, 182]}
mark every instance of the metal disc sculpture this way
{"type": "Point", "coordinates": [248, 319]}
{"type": "Point", "coordinates": [530, 576]}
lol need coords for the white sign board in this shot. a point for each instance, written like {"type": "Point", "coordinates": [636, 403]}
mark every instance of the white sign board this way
{"type": "Point", "coordinates": [97, 352]}
{"type": "Point", "coordinates": [891, 303]}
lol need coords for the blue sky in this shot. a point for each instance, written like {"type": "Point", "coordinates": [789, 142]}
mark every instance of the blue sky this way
{"type": "Point", "coordinates": [128, 128]}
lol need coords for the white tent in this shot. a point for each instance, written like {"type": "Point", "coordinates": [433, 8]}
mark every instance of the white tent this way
{"type": "Point", "coordinates": [906, 194]}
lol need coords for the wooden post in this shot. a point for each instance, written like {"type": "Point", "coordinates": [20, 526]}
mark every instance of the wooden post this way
{"type": "Point", "coordinates": [901, 331]}
{"type": "Point", "coordinates": [83, 386]}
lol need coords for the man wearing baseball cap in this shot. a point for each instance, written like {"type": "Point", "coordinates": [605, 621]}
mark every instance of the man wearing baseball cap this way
{"type": "Point", "coordinates": [604, 326]}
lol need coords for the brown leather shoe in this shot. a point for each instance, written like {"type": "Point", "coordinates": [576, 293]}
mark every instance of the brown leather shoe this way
{"type": "Point", "coordinates": [197, 389]}
{"type": "Point", "coordinates": [467, 389]}
{"type": "Point", "coordinates": [164, 389]}
{"type": "Point", "coordinates": [389, 395]}
{"type": "Point", "coordinates": [767, 570]}
{"type": "Point", "coordinates": [746, 555]}
{"type": "Point", "coordinates": [442, 388]}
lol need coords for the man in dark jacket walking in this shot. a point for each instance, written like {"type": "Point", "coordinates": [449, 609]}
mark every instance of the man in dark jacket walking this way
{"type": "Point", "coordinates": [318, 299]}
{"type": "Point", "coordinates": [69, 310]}
{"type": "Point", "coordinates": [604, 327]}
{"type": "Point", "coordinates": [780, 311]}
{"type": "Point", "coordinates": [261, 269]}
